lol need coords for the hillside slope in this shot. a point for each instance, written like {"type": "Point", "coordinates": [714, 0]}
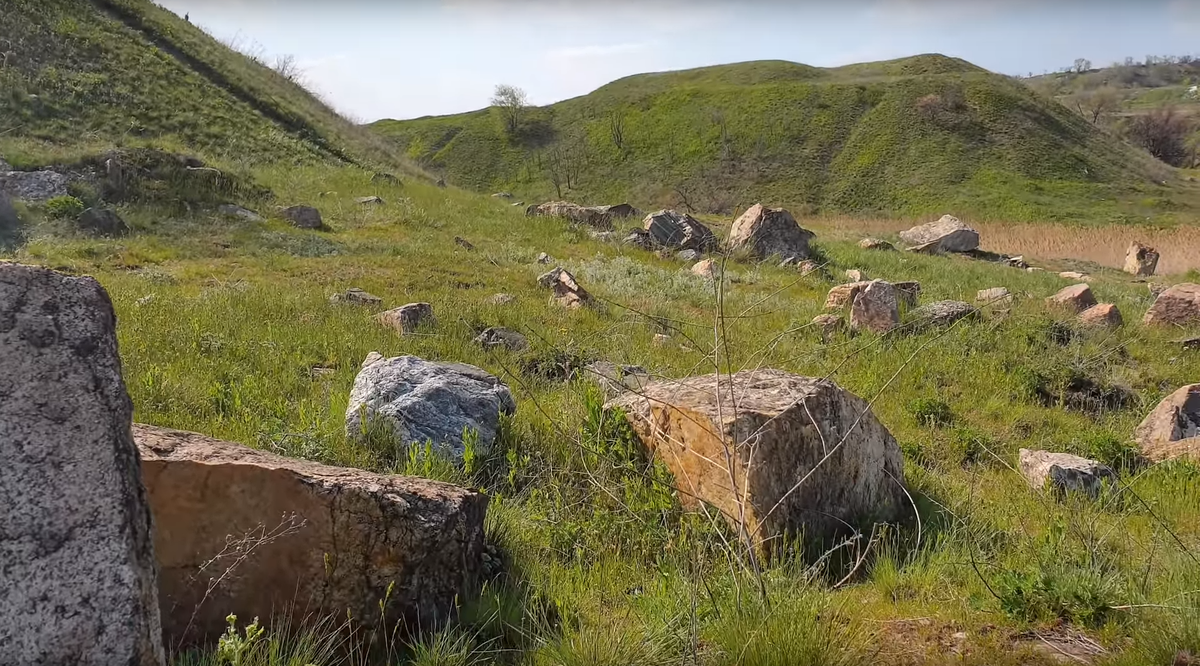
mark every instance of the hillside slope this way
{"type": "Point", "coordinates": [80, 74]}
{"type": "Point", "coordinates": [915, 136]}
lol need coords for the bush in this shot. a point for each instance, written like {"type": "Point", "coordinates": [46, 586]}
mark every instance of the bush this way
{"type": "Point", "coordinates": [1163, 133]}
{"type": "Point", "coordinates": [65, 207]}
{"type": "Point", "coordinates": [930, 412]}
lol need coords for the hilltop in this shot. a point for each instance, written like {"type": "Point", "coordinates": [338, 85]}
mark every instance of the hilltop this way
{"type": "Point", "coordinates": [909, 137]}
{"type": "Point", "coordinates": [82, 76]}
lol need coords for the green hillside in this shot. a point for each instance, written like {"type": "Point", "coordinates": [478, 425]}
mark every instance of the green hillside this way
{"type": "Point", "coordinates": [909, 137]}
{"type": "Point", "coordinates": [80, 75]}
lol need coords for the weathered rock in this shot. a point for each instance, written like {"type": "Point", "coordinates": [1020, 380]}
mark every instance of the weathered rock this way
{"type": "Point", "coordinates": [1102, 315]}
{"type": "Point", "coordinates": [616, 379]}
{"type": "Point", "coordinates": [908, 291]}
{"type": "Point", "coordinates": [421, 401]}
{"type": "Point", "coordinates": [660, 339]}
{"type": "Point", "coordinates": [1178, 306]}
{"type": "Point", "coordinates": [993, 297]}
{"type": "Point", "coordinates": [303, 217]}
{"type": "Point", "coordinates": [341, 540]}
{"type": "Point", "coordinates": [808, 267]}
{"type": "Point", "coordinates": [369, 200]}
{"type": "Point", "coordinates": [544, 258]}
{"type": "Point", "coordinates": [1074, 275]}
{"type": "Point", "coordinates": [1063, 473]}
{"type": "Point", "coordinates": [806, 454]}
{"type": "Point", "coordinates": [875, 308]}
{"type": "Point", "coordinates": [503, 195]}
{"type": "Point", "coordinates": [688, 255]}
{"type": "Point", "coordinates": [567, 291]}
{"type": "Point", "coordinates": [875, 244]}
{"type": "Point", "coordinates": [843, 295]}
{"type": "Point", "coordinates": [356, 296]}
{"type": "Point", "coordinates": [499, 337]}
{"type": "Point", "coordinates": [407, 319]}
{"type": "Point", "coordinates": [1141, 260]}
{"type": "Point", "coordinates": [1077, 297]}
{"type": "Point", "coordinates": [855, 275]}
{"type": "Point", "coordinates": [947, 234]}
{"type": "Point", "coordinates": [706, 268]}
{"type": "Point", "coordinates": [76, 551]}
{"type": "Point", "coordinates": [679, 231]}
{"type": "Point", "coordinates": [235, 211]}
{"type": "Point", "coordinates": [600, 217]}
{"type": "Point", "coordinates": [829, 325]}
{"type": "Point", "coordinates": [102, 222]}
{"type": "Point", "coordinates": [940, 313]}
{"type": "Point", "coordinates": [500, 299]}
{"type": "Point", "coordinates": [766, 232]}
{"type": "Point", "coordinates": [33, 186]}
{"type": "Point", "coordinates": [1172, 429]}
{"type": "Point", "coordinates": [1017, 262]}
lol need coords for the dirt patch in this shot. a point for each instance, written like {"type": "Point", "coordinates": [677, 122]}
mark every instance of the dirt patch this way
{"type": "Point", "coordinates": [923, 641]}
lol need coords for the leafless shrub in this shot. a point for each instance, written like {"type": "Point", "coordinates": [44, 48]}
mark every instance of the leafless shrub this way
{"type": "Point", "coordinates": [287, 67]}
{"type": "Point", "coordinates": [1163, 132]}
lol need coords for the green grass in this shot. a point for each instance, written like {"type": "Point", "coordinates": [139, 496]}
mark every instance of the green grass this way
{"type": "Point", "coordinates": [850, 140]}
{"type": "Point", "coordinates": [221, 322]}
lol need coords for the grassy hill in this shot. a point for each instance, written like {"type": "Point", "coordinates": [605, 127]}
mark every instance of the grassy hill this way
{"type": "Point", "coordinates": [82, 75]}
{"type": "Point", "coordinates": [914, 137]}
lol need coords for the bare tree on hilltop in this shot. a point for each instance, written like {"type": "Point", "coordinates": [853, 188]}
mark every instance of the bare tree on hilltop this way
{"type": "Point", "coordinates": [512, 102]}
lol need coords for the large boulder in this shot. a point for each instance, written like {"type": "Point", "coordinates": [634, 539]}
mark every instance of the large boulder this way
{"type": "Point", "coordinates": [766, 232]}
{"type": "Point", "coordinates": [875, 308]}
{"type": "Point", "coordinates": [806, 454]}
{"type": "Point", "coordinates": [303, 217]}
{"type": "Point", "coordinates": [421, 401]}
{"type": "Point", "coordinates": [1076, 298]}
{"type": "Point", "coordinates": [102, 222]}
{"type": "Point", "coordinates": [678, 231]}
{"type": "Point", "coordinates": [76, 551]}
{"type": "Point", "coordinates": [567, 291]}
{"type": "Point", "coordinates": [407, 319]}
{"type": "Point", "coordinates": [498, 337]}
{"type": "Point", "coordinates": [254, 534]}
{"type": "Point", "coordinates": [600, 217]}
{"type": "Point", "coordinates": [843, 294]}
{"type": "Point", "coordinates": [940, 313]}
{"type": "Point", "coordinates": [1172, 430]}
{"type": "Point", "coordinates": [33, 186]}
{"type": "Point", "coordinates": [1178, 306]}
{"type": "Point", "coordinates": [1141, 260]}
{"type": "Point", "coordinates": [1063, 473]}
{"type": "Point", "coordinates": [947, 234]}
{"type": "Point", "coordinates": [1101, 315]}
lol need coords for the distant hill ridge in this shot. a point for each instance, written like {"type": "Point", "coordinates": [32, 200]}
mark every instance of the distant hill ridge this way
{"type": "Point", "coordinates": [915, 136]}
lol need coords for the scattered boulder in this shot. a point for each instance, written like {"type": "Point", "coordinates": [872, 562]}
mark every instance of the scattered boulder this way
{"type": "Point", "coordinates": [940, 313]}
{"type": "Point", "coordinates": [102, 222]}
{"type": "Point", "coordinates": [1077, 297]}
{"type": "Point", "coordinates": [1102, 315]}
{"type": "Point", "coordinates": [767, 232]}
{"type": "Point", "coordinates": [407, 319]}
{"type": "Point", "coordinates": [875, 308]}
{"type": "Point", "coordinates": [707, 269]}
{"type": "Point", "coordinates": [1074, 275]}
{"type": "Point", "coordinates": [544, 258]}
{"type": "Point", "coordinates": [1172, 429]}
{"type": "Point", "coordinates": [236, 211]}
{"type": "Point", "coordinates": [500, 299]}
{"type": "Point", "coordinates": [679, 231]}
{"type": "Point", "coordinates": [500, 337]}
{"type": "Point", "coordinates": [368, 200]}
{"type": "Point", "coordinates": [843, 295]}
{"type": "Point", "coordinates": [809, 455]}
{"type": "Point", "coordinates": [855, 275]}
{"type": "Point", "coordinates": [1063, 473]}
{"type": "Point", "coordinates": [341, 540]}
{"type": "Point", "coordinates": [356, 296]}
{"type": "Point", "coordinates": [464, 243]}
{"type": "Point", "coordinates": [1017, 262]}
{"type": "Point", "coordinates": [688, 255]}
{"type": "Point", "coordinates": [875, 244]}
{"type": "Point", "coordinates": [947, 234]}
{"type": "Point", "coordinates": [567, 291]}
{"type": "Point", "coordinates": [1141, 260]}
{"type": "Point", "coordinates": [1178, 306]}
{"type": "Point", "coordinates": [303, 217]}
{"type": "Point", "coordinates": [829, 325]}
{"type": "Point", "coordinates": [33, 186]}
{"type": "Point", "coordinates": [616, 379]}
{"type": "Point", "coordinates": [600, 217]}
{"type": "Point", "coordinates": [995, 296]}
{"type": "Point", "coordinates": [421, 401]}
{"type": "Point", "coordinates": [79, 577]}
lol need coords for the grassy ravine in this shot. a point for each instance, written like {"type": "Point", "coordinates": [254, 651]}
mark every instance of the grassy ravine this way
{"type": "Point", "coordinates": [911, 137]}
{"type": "Point", "coordinates": [221, 324]}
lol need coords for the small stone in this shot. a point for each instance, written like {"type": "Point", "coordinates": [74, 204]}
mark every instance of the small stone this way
{"type": "Point", "coordinates": [369, 200]}
{"type": "Point", "coordinates": [1076, 297]}
{"type": "Point", "coordinates": [235, 211]}
{"type": "Point", "coordinates": [102, 222]}
{"type": "Point", "coordinates": [706, 268]}
{"type": "Point", "coordinates": [807, 267]}
{"type": "Point", "coordinates": [1034, 269]}
{"type": "Point", "coordinates": [875, 244]}
{"type": "Point", "coordinates": [544, 258]}
{"type": "Point", "coordinates": [567, 291]}
{"type": "Point", "coordinates": [828, 325]}
{"type": "Point", "coordinates": [1017, 262]}
{"type": "Point", "coordinates": [1064, 473]}
{"type": "Point", "coordinates": [356, 296]}
{"type": "Point", "coordinates": [1105, 315]}
{"type": "Point", "coordinates": [503, 195]}
{"type": "Point", "coordinates": [498, 336]}
{"type": "Point", "coordinates": [1140, 260]}
{"type": "Point", "coordinates": [303, 217]}
{"type": "Point", "coordinates": [406, 319]}
{"type": "Point", "coordinates": [1074, 275]}
{"type": "Point", "coordinates": [994, 296]}
{"type": "Point", "coordinates": [661, 339]}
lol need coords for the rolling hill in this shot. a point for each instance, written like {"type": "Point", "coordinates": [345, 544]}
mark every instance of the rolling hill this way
{"type": "Point", "coordinates": [82, 75]}
{"type": "Point", "coordinates": [910, 137]}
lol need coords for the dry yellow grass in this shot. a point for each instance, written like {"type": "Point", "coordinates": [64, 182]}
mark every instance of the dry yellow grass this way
{"type": "Point", "coordinates": [1179, 247]}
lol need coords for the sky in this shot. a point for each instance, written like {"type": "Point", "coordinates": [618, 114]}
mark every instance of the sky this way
{"type": "Point", "coordinates": [373, 59]}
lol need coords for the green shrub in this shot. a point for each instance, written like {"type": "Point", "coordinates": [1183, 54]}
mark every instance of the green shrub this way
{"type": "Point", "coordinates": [930, 412]}
{"type": "Point", "coordinates": [65, 207]}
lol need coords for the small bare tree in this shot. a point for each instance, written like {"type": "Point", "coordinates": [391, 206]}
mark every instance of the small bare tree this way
{"type": "Point", "coordinates": [512, 102]}
{"type": "Point", "coordinates": [1163, 132]}
{"type": "Point", "coordinates": [287, 67]}
{"type": "Point", "coordinates": [616, 128]}
{"type": "Point", "coordinates": [1082, 65]}
{"type": "Point", "coordinates": [1098, 103]}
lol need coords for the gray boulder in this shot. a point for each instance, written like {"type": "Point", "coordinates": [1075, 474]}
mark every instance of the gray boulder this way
{"type": "Point", "coordinates": [33, 186]}
{"type": "Point", "coordinates": [948, 234]}
{"type": "Point", "coordinates": [875, 308]}
{"type": "Point", "coordinates": [1063, 473]}
{"type": "Point", "coordinates": [102, 222]}
{"type": "Point", "coordinates": [303, 217]}
{"type": "Point", "coordinates": [499, 337]}
{"type": "Point", "coordinates": [766, 232]}
{"type": "Point", "coordinates": [236, 211]}
{"type": "Point", "coordinates": [940, 313]}
{"type": "Point", "coordinates": [421, 401]}
{"type": "Point", "coordinates": [678, 231]}
{"type": "Point", "coordinates": [76, 552]}
{"type": "Point", "coordinates": [369, 200]}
